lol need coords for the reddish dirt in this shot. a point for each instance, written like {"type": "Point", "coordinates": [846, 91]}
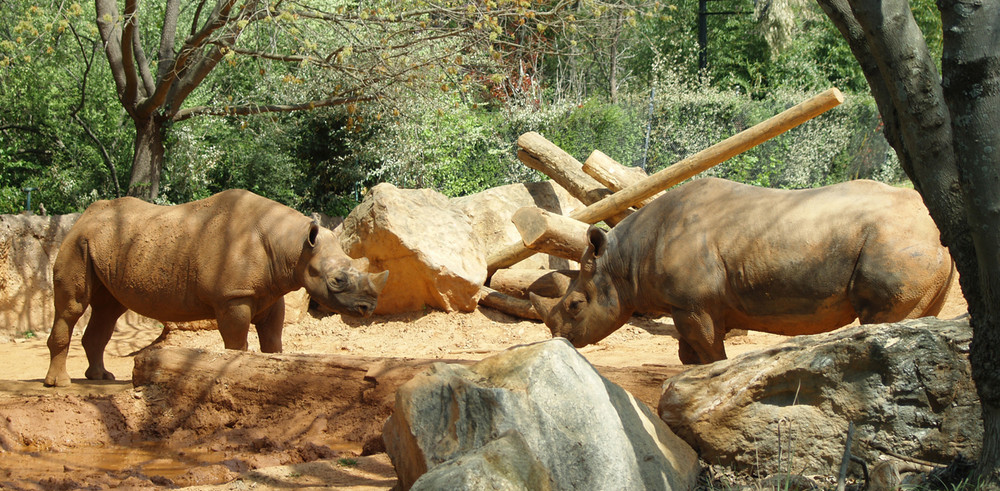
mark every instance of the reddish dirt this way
{"type": "Point", "coordinates": [105, 434]}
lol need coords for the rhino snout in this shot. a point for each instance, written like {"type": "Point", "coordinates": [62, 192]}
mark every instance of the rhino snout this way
{"type": "Point", "coordinates": [365, 310]}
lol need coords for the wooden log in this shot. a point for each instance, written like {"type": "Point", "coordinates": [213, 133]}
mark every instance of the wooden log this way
{"type": "Point", "coordinates": [518, 307]}
{"type": "Point", "coordinates": [517, 283]}
{"type": "Point", "coordinates": [546, 157]}
{"type": "Point", "coordinates": [689, 167]}
{"type": "Point", "coordinates": [615, 176]}
{"type": "Point", "coordinates": [556, 235]}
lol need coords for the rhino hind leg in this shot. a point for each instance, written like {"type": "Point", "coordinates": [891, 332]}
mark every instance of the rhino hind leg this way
{"type": "Point", "coordinates": [71, 296]}
{"type": "Point", "coordinates": [105, 311]}
{"type": "Point", "coordinates": [686, 353]}
{"type": "Point", "coordinates": [269, 324]}
{"type": "Point", "coordinates": [701, 337]}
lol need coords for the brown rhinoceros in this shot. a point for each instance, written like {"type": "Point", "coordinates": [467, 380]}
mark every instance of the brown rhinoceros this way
{"type": "Point", "coordinates": [718, 255]}
{"type": "Point", "coordinates": [231, 257]}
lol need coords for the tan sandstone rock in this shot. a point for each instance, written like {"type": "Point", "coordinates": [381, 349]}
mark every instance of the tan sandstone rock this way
{"type": "Point", "coordinates": [427, 246]}
{"type": "Point", "coordinates": [491, 211]}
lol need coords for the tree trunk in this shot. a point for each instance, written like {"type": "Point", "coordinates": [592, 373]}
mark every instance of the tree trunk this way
{"type": "Point", "coordinates": [944, 128]}
{"type": "Point", "coordinates": [971, 87]}
{"type": "Point", "coordinates": [147, 161]}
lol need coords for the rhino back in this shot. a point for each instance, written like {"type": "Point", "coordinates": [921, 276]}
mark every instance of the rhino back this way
{"type": "Point", "coordinates": [764, 251]}
{"type": "Point", "coordinates": [179, 262]}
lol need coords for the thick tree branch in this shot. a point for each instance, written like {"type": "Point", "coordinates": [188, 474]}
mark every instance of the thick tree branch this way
{"type": "Point", "coordinates": [197, 17]}
{"type": "Point", "coordinates": [896, 43]}
{"type": "Point", "coordinates": [148, 85]}
{"type": "Point", "coordinates": [165, 55]}
{"type": "Point", "coordinates": [107, 24]}
{"type": "Point", "coordinates": [840, 13]}
{"type": "Point", "coordinates": [128, 59]}
{"type": "Point", "coordinates": [269, 108]}
{"type": "Point", "coordinates": [194, 64]}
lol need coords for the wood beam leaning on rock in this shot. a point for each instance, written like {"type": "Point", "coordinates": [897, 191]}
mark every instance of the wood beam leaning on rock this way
{"type": "Point", "coordinates": [689, 167]}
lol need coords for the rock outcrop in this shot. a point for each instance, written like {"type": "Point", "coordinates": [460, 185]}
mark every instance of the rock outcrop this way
{"type": "Point", "coordinates": [491, 210]}
{"type": "Point", "coordinates": [906, 387]}
{"type": "Point", "coordinates": [543, 403]}
{"type": "Point", "coordinates": [427, 247]}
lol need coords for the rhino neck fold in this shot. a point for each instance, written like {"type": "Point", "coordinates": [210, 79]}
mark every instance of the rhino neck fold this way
{"type": "Point", "coordinates": [622, 274]}
{"type": "Point", "coordinates": [285, 252]}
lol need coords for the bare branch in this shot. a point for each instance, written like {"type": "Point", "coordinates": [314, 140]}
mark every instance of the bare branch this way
{"type": "Point", "coordinates": [131, 94]}
{"type": "Point", "coordinates": [107, 16]}
{"type": "Point", "coordinates": [140, 60]}
{"type": "Point", "coordinates": [270, 108]}
{"type": "Point", "coordinates": [168, 35]}
{"type": "Point", "coordinates": [183, 76]}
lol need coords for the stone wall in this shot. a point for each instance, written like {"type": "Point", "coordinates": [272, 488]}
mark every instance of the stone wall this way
{"type": "Point", "coordinates": [28, 248]}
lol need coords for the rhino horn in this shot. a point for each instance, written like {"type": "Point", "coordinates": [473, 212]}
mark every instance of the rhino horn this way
{"type": "Point", "coordinates": [379, 281]}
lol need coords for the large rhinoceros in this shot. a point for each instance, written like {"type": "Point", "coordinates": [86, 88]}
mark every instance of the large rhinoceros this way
{"type": "Point", "coordinates": [231, 257]}
{"type": "Point", "coordinates": [718, 255]}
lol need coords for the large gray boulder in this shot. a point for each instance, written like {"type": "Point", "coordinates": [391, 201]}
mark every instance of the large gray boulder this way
{"type": "Point", "coordinates": [490, 212]}
{"type": "Point", "coordinates": [427, 247]}
{"type": "Point", "coordinates": [506, 463]}
{"type": "Point", "coordinates": [906, 387]}
{"type": "Point", "coordinates": [584, 431]}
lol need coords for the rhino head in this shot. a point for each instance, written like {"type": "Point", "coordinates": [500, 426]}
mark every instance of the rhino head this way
{"type": "Point", "coordinates": [331, 279]}
{"type": "Point", "coordinates": [591, 309]}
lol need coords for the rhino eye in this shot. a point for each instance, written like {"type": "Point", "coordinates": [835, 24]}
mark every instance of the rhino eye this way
{"type": "Point", "coordinates": [576, 305]}
{"type": "Point", "coordinates": [338, 282]}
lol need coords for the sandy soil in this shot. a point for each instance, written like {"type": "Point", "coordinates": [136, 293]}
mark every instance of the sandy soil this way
{"type": "Point", "coordinates": [66, 457]}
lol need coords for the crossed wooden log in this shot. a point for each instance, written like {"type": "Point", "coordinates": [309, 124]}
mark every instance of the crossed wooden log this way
{"type": "Point", "coordinates": [610, 190]}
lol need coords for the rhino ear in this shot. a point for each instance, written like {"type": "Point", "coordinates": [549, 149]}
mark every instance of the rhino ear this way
{"type": "Point", "coordinates": [540, 306]}
{"type": "Point", "coordinates": [598, 240]}
{"type": "Point", "coordinates": [313, 233]}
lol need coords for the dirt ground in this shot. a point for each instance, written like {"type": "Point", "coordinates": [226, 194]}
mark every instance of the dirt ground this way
{"type": "Point", "coordinates": [63, 453]}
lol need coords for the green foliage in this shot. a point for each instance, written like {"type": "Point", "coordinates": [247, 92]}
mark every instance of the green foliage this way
{"type": "Point", "coordinates": [456, 149]}
{"type": "Point", "coordinates": [334, 160]}
{"type": "Point", "coordinates": [444, 131]}
{"type": "Point", "coordinates": [209, 155]}
{"type": "Point", "coordinates": [53, 125]}
{"type": "Point", "coordinates": [840, 144]}
{"type": "Point", "coordinates": [616, 130]}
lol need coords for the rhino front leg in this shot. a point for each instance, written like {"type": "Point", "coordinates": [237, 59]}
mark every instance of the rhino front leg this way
{"type": "Point", "coordinates": [105, 311]}
{"type": "Point", "coordinates": [269, 325]}
{"type": "Point", "coordinates": [701, 337]}
{"type": "Point", "coordinates": [234, 323]}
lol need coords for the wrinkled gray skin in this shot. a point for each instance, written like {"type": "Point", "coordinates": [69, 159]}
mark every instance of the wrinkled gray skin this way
{"type": "Point", "coordinates": [718, 255]}
{"type": "Point", "coordinates": [231, 257]}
